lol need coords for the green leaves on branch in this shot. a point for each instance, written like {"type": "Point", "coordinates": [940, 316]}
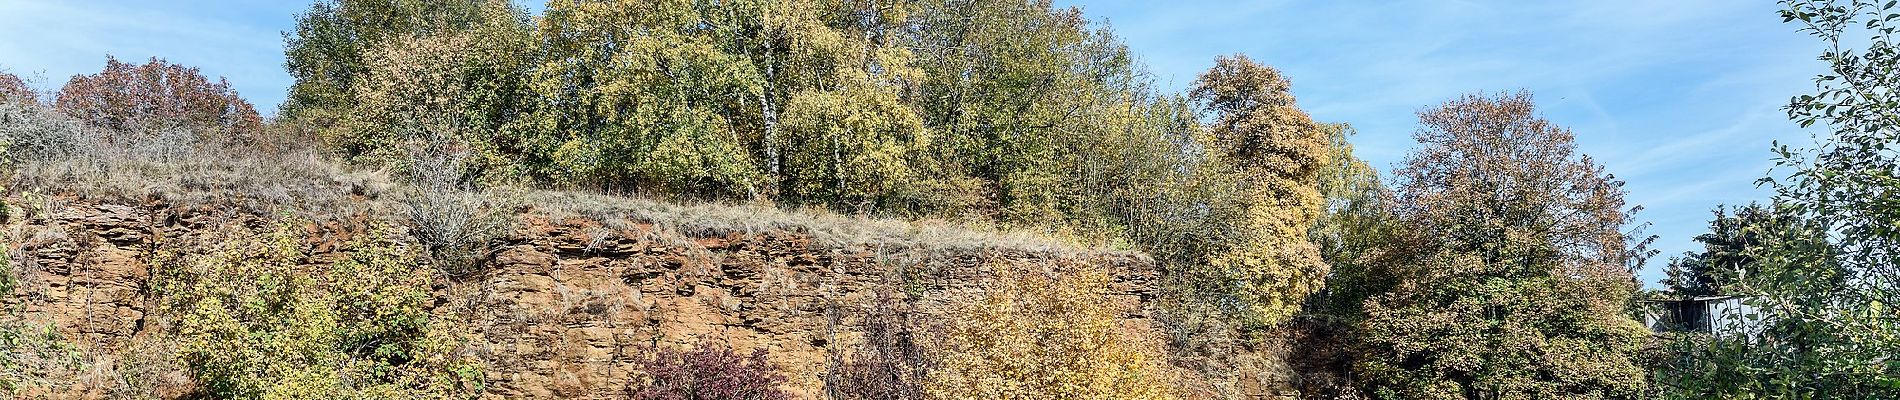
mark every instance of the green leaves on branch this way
{"type": "Point", "coordinates": [659, 104]}
{"type": "Point", "coordinates": [464, 86]}
{"type": "Point", "coordinates": [257, 319]}
{"type": "Point", "coordinates": [1022, 113]}
{"type": "Point", "coordinates": [326, 53]}
{"type": "Point", "coordinates": [1826, 278]}
{"type": "Point", "coordinates": [857, 147]}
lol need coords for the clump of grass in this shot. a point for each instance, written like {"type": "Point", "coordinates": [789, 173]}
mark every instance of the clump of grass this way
{"type": "Point", "coordinates": [448, 213]}
{"type": "Point", "coordinates": [49, 152]}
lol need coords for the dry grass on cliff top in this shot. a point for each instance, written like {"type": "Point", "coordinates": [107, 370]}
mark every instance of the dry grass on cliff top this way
{"type": "Point", "coordinates": [823, 226]}
{"type": "Point", "coordinates": [290, 178]}
{"type": "Point", "coordinates": [286, 182]}
{"type": "Point", "coordinates": [49, 153]}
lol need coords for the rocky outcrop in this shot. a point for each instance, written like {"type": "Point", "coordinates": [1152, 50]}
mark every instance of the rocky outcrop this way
{"type": "Point", "coordinates": [83, 267]}
{"type": "Point", "coordinates": [572, 303]}
{"type": "Point", "coordinates": [563, 306]}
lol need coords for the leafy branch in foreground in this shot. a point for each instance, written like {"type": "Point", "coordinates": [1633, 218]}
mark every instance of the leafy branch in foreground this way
{"type": "Point", "coordinates": [1827, 282]}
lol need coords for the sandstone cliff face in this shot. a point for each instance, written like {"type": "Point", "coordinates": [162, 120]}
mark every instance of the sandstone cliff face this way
{"type": "Point", "coordinates": [563, 306]}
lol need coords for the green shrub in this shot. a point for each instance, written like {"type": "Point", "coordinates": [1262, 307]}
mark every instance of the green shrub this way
{"type": "Point", "coordinates": [33, 356]}
{"type": "Point", "coordinates": [258, 318]}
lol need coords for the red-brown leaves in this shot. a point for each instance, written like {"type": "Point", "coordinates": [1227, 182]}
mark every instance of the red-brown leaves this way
{"type": "Point", "coordinates": [711, 372]}
{"type": "Point", "coordinates": [141, 99]}
{"type": "Point", "coordinates": [14, 89]}
{"type": "Point", "coordinates": [1492, 178]}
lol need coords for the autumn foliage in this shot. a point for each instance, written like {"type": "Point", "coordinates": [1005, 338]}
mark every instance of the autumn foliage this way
{"type": "Point", "coordinates": [142, 99]}
{"type": "Point", "coordinates": [1273, 151]}
{"type": "Point", "coordinates": [12, 88]}
{"type": "Point", "coordinates": [1500, 262]}
{"type": "Point", "coordinates": [1041, 335]}
{"type": "Point", "coordinates": [1515, 280]}
{"type": "Point", "coordinates": [708, 373]}
{"type": "Point", "coordinates": [1019, 114]}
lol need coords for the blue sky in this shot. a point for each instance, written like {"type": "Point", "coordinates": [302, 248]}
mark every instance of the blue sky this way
{"type": "Point", "coordinates": [1680, 98]}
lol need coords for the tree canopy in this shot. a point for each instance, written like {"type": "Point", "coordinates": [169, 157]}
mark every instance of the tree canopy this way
{"type": "Point", "coordinates": [144, 99]}
{"type": "Point", "coordinates": [1515, 279]}
{"type": "Point", "coordinates": [12, 88]}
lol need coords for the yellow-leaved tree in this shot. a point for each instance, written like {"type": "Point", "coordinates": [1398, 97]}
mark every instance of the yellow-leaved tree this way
{"type": "Point", "coordinates": [1272, 152]}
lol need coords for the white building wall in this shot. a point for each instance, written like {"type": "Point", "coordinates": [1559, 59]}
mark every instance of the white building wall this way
{"type": "Point", "coordinates": [1731, 316]}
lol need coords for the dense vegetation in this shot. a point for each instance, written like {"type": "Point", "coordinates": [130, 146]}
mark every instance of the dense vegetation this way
{"type": "Point", "coordinates": [30, 353]}
{"type": "Point", "coordinates": [1819, 262]}
{"type": "Point", "coordinates": [1498, 263]}
{"type": "Point", "coordinates": [1012, 113]}
{"type": "Point", "coordinates": [1513, 276]}
{"type": "Point", "coordinates": [260, 323]}
{"type": "Point", "coordinates": [708, 373]}
{"type": "Point", "coordinates": [1006, 346]}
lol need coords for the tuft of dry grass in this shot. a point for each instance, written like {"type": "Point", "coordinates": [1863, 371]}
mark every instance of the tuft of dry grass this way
{"type": "Point", "coordinates": [49, 153]}
{"type": "Point", "coordinates": [450, 215]}
{"type": "Point", "coordinates": [302, 181]}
